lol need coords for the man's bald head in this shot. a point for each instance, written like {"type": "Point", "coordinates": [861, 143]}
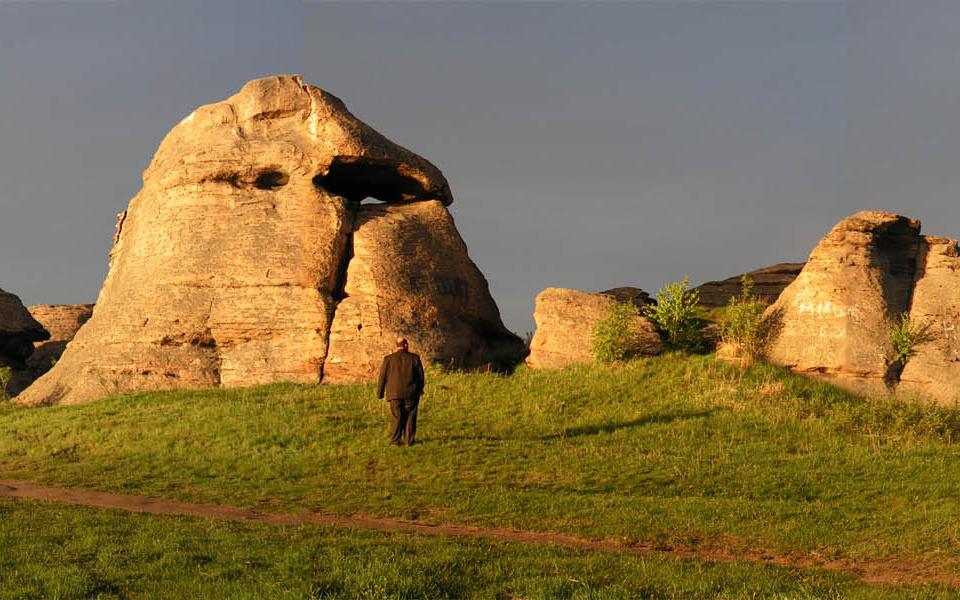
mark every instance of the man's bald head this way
{"type": "Point", "coordinates": [402, 343]}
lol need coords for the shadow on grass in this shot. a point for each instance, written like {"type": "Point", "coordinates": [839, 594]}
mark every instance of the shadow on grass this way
{"type": "Point", "coordinates": [610, 427]}
{"type": "Point", "coordinates": [585, 430]}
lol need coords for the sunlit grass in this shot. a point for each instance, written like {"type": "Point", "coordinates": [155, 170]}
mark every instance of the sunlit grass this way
{"type": "Point", "coordinates": [678, 449]}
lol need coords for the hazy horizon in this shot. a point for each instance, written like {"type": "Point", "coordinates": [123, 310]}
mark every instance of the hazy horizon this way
{"type": "Point", "coordinates": [587, 145]}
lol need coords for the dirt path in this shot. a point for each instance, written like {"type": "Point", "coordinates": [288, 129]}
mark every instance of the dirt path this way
{"type": "Point", "coordinates": [876, 571]}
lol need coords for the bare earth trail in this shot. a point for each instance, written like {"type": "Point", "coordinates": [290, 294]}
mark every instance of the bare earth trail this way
{"type": "Point", "coordinates": [892, 571]}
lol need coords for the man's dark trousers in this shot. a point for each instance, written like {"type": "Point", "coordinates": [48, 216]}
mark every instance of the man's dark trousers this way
{"type": "Point", "coordinates": [404, 413]}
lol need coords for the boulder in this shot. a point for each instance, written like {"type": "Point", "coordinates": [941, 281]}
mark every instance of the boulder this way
{"type": "Point", "coordinates": [768, 284]}
{"type": "Point", "coordinates": [836, 318]}
{"type": "Point", "coordinates": [229, 266]}
{"type": "Point", "coordinates": [62, 321]}
{"type": "Point", "coordinates": [565, 320]}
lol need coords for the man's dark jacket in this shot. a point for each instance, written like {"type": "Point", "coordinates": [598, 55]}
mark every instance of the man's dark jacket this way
{"type": "Point", "coordinates": [401, 376]}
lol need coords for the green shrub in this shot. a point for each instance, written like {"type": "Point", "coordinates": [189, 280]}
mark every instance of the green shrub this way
{"type": "Point", "coordinates": [742, 322]}
{"type": "Point", "coordinates": [906, 334]}
{"type": "Point", "coordinates": [617, 337]}
{"type": "Point", "coordinates": [679, 315]}
{"type": "Point", "coordinates": [6, 373]}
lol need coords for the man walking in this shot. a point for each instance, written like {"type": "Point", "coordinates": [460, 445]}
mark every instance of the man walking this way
{"type": "Point", "coordinates": [401, 381]}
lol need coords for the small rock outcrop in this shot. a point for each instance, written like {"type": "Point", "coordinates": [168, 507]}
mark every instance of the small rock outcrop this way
{"type": "Point", "coordinates": [836, 318]}
{"type": "Point", "coordinates": [768, 284]}
{"type": "Point", "coordinates": [18, 333]}
{"type": "Point", "coordinates": [565, 320]}
{"type": "Point", "coordinates": [62, 321]}
{"type": "Point", "coordinates": [246, 258]}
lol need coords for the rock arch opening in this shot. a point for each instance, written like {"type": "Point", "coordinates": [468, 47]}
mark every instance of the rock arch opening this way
{"type": "Point", "coordinates": [366, 180]}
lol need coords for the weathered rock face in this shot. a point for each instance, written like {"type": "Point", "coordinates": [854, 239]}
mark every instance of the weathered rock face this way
{"type": "Point", "coordinates": [410, 275]}
{"type": "Point", "coordinates": [62, 321]}
{"type": "Point", "coordinates": [836, 318]}
{"type": "Point", "coordinates": [228, 266]}
{"type": "Point", "coordinates": [565, 320]}
{"type": "Point", "coordinates": [768, 284]}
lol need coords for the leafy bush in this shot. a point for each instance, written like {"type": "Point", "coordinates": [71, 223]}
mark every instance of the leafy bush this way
{"type": "Point", "coordinates": [5, 375]}
{"type": "Point", "coordinates": [678, 314]}
{"type": "Point", "coordinates": [617, 336]}
{"type": "Point", "coordinates": [742, 323]}
{"type": "Point", "coordinates": [906, 334]}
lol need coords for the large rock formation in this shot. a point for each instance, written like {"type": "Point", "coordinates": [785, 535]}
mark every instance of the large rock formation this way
{"type": "Point", "coordinates": [836, 318]}
{"type": "Point", "coordinates": [18, 332]}
{"type": "Point", "coordinates": [565, 321]}
{"type": "Point", "coordinates": [62, 321]}
{"type": "Point", "coordinates": [231, 264]}
{"type": "Point", "coordinates": [768, 284]}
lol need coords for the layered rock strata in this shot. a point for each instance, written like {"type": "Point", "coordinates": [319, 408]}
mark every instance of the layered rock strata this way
{"type": "Point", "coordinates": [565, 320]}
{"type": "Point", "coordinates": [836, 318]}
{"type": "Point", "coordinates": [768, 284]}
{"type": "Point", "coordinates": [62, 321]}
{"type": "Point", "coordinates": [232, 263]}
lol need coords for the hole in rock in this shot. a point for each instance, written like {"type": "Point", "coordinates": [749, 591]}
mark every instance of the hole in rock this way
{"type": "Point", "coordinates": [271, 180]}
{"type": "Point", "coordinates": [370, 180]}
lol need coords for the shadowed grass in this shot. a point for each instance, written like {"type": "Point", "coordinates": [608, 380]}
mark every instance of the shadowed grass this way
{"type": "Point", "coordinates": [677, 449]}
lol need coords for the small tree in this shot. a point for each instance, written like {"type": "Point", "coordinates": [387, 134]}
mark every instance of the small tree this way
{"type": "Point", "coordinates": [617, 336]}
{"type": "Point", "coordinates": [906, 334]}
{"type": "Point", "coordinates": [678, 314]}
{"type": "Point", "coordinates": [6, 374]}
{"type": "Point", "coordinates": [742, 323]}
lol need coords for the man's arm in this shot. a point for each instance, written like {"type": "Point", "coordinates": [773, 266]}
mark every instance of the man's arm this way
{"type": "Point", "coordinates": [421, 381]}
{"type": "Point", "coordinates": [383, 379]}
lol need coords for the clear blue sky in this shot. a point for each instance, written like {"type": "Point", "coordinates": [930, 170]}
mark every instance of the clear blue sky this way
{"type": "Point", "coordinates": [588, 145]}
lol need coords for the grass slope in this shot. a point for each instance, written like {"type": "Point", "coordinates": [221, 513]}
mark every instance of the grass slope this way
{"type": "Point", "coordinates": [682, 450]}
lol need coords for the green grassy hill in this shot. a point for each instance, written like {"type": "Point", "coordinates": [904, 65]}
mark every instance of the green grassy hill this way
{"type": "Point", "coordinates": [678, 450]}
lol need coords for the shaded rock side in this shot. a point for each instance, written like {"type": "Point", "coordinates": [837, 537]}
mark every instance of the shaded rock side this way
{"type": "Point", "coordinates": [62, 321]}
{"type": "Point", "coordinates": [19, 331]}
{"type": "Point", "coordinates": [834, 319]}
{"type": "Point", "coordinates": [410, 276]}
{"type": "Point", "coordinates": [634, 295]}
{"type": "Point", "coordinates": [768, 284]}
{"type": "Point", "coordinates": [565, 320]}
{"type": "Point", "coordinates": [934, 369]}
{"type": "Point", "coordinates": [225, 265]}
